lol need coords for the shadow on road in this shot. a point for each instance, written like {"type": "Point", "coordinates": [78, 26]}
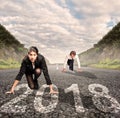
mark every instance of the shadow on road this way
{"type": "Point", "coordinates": [83, 73]}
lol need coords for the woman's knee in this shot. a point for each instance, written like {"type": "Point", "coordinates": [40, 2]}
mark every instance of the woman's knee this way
{"type": "Point", "coordinates": [38, 71]}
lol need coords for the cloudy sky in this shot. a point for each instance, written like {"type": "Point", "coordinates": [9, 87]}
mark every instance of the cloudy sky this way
{"type": "Point", "coordinates": [58, 26]}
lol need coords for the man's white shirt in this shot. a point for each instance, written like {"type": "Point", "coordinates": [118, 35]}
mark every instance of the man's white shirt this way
{"type": "Point", "coordinates": [69, 57]}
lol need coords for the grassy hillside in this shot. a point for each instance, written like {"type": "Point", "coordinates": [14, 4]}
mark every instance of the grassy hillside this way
{"type": "Point", "coordinates": [8, 40]}
{"type": "Point", "coordinates": [104, 54]}
{"type": "Point", "coordinates": [112, 38]}
{"type": "Point", "coordinates": [11, 50]}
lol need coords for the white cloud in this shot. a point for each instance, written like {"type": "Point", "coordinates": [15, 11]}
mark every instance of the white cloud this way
{"type": "Point", "coordinates": [56, 27]}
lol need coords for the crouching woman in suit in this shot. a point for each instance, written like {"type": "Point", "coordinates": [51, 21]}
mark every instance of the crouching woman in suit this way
{"type": "Point", "coordinates": [32, 66]}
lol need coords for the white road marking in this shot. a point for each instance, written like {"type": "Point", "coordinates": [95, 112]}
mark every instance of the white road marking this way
{"type": "Point", "coordinates": [114, 107]}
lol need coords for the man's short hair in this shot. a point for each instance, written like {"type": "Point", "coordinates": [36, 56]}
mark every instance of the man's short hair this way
{"type": "Point", "coordinates": [73, 52]}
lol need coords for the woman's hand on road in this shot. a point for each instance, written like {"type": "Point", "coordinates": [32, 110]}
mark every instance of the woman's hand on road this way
{"type": "Point", "coordinates": [53, 92]}
{"type": "Point", "coordinates": [10, 92]}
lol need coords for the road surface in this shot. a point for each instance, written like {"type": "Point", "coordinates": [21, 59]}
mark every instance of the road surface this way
{"type": "Point", "coordinates": [91, 93]}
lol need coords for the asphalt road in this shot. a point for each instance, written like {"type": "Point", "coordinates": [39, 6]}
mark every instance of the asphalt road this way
{"type": "Point", "coordinates": [91, 93]}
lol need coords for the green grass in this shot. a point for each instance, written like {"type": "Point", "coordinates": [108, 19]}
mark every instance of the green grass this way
{"type": "Point", "coordinates": [109, 64]}
{"type": "Point", "coordinates": [7, 64]}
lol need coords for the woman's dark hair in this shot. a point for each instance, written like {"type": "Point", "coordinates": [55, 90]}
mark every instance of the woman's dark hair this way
{"type": "Point", "coordinates": [73, 52]}
{"type": "Point", "coordinates": [34, 49]}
